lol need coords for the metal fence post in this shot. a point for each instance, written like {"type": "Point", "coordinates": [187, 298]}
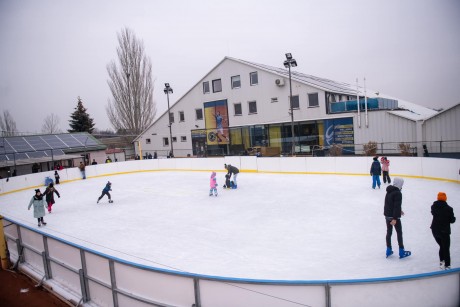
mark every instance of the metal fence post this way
{"type": "Point", "coordinates": [196, 286]}
{"type": "Point", "coordinates": [83, 280]}
{"type": "Point", "coordinates": [46, 261]}
{"type": "Point", "coordinates": [113, 282]}
{"type": "Point", "coordinates": [328, 295]}
{"type": "Point", "coordinates": [19, 243]}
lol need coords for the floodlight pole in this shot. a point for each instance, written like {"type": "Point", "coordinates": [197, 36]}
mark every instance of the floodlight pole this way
{"type": "Point", "coordinates": [290, 62]}
{"type": "Point", "coordinates": [168, 90]}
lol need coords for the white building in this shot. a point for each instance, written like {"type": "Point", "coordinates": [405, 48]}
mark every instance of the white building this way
{"type": "Point", "coordinates": [241, 107]}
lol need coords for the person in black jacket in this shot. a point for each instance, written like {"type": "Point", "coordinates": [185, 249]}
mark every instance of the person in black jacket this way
{"type": "Point", "coordinates": [443, 216]}
{"type": "Point", "coordinates": [393, 212]}
{"type": "Point", "coordinates": [376, 171]}
{"type": "Point", "coordinates": [49, 194]}
{"type": "Point", "coordinates": [232, 170]}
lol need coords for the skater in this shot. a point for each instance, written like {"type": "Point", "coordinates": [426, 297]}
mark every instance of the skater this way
{"type": "Point", "coordinates": [82, 170]}
{"type": "Point", "coordinates": [393, 212]}
{"type": "Point", "coordinates": [385, 169]}
{"type": "Point", "coordinates": [49, 195]}
{"type": "Point", "coordinates": [232, 170]}
{"type": "Point", "coordinates": [56, 177]}
{"type": "Point", "coordinates": [39, 203]}
{"type": "Point", "coordinates": [213, 184]}
{"type": "Point", "coordinates": [376, 171]}
{"type": "Point", "coordinates": [443, 216]}
{"type": "Point", "coordinates": [227, 184]}
{"type": "Point", "coordinates": [105, 191]}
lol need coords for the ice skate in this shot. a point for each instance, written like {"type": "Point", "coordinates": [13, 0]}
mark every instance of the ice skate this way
{"type": "Point", "coordinates": [110, 201]}
{"type": "Point", "coordinates": [39, 224]}
{"type": "Point", "coordinates": [44, 223]}
{"type": "Point", "coordinates": [442, 265]}
{"type": "Point", "coordinates": [447, 267]}
{"type": "Point", "coordinates": [389, 252]}
{"type": "Point", "coordinates": [403, 253]}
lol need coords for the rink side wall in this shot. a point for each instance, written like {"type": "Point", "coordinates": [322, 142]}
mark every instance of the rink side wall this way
{"type": "Point", "coordinates": [88, 276]}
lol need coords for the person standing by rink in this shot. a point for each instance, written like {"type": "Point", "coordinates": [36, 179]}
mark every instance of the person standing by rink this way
{"type": "Point", "coordinates": [393, 212]}
{"type": "Point", "coordinates": [56, 177]}
{"type": "Point", "coordinates": [376, 171]}
{"type": "Point", "coordinates": [39, 207]}
{"type": "Point", "coordinates": [105, 191]}
{"type": "Point", "coordinates": [385, 169]}
{"type": "Point", "coordinates": [443, 216]}
{"type": "Point", "coordinates": [49, 195]}
{"type": "Point", "coordinates": [82, 170]}
{"type": "Point", "coordinates": [232, 170]}
{"type": "Point", "coordinates": [213, 184]}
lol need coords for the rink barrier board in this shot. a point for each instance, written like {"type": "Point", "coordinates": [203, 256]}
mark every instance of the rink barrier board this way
{"type": "Point", "coordinates": [100, 288]}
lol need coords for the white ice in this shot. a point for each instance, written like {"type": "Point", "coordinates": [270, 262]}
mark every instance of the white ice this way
{"type": "Point", "coordinates": [274, 226]}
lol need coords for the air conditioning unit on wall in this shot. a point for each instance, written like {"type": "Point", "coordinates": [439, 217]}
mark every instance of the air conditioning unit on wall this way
{"type": "Point", "coordinates": [279, 82]}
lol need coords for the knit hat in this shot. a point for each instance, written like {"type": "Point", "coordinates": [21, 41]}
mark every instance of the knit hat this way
{"type": "Point", "coordinates": [37, 191]}
{"type": "Point", "coordinates": [375, 158]}
{"type": "Point", "coordinates": [442, 196]}
{"type": "Point", "coordinates": [398, 182]}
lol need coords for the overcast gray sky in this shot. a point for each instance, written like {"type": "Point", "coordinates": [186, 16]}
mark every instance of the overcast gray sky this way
{"type": "Point", "coordinates": [52, 51]}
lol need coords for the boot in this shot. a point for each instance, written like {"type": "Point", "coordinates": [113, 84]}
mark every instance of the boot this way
{"type": "Point", "coordinates": [389, 252]}
{"type": "Point", "coordinates": [403, 253]}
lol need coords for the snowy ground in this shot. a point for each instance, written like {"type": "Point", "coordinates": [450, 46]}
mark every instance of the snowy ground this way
{"type": "Point", "coordinates": [274, 226]}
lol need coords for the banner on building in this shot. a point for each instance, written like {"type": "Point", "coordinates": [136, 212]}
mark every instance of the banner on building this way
{"type": "Point", "coordinates": [216, 122]}
{"type": "Point", "coordinates": [340, 131]}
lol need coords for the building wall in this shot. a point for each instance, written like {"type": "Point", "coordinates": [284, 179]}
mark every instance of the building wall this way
{"type": "Point", "coordinates": [443, 127]}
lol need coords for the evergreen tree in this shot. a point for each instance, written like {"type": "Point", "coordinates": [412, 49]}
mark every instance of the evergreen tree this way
{"type": "Point", "coordinates": [80, 120]}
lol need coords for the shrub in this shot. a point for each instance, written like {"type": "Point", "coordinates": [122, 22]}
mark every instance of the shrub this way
{"type": "Point", "coordinates": [405, 149]}
{"type": "Point", "coordinates": [370, 148]}
{"type": "Point", "coordinates": [335, 150]}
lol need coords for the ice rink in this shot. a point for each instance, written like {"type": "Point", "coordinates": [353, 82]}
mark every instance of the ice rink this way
{"type": "Point", "coordinates": [274, 226]}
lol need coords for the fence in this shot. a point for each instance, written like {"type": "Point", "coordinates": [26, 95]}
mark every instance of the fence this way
{"type": "Point", "coordinates": [83, 275]}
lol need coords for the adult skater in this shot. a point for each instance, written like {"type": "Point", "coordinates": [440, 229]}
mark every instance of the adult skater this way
{"type": "Point", "coordinates": [213, 184]}
{"type": "Point", "coordinates": [82, 170]}
{"type": "Point", "coordinates": [385, 169]}
{"type": "Point", "coordinates": [376, 171]}
{"type": "Point", "coordinates": [393, 212]}
{"type": "Point", "coordinates": [105, 191]}
{"type": "Point", "coordinates": [39, 207]}
{"type": "Point", "coordinates": [443, 216]}
{"type": "Point", "coordinates": [232, 170]}
{"type": "Point", "coordinates": [49, 195]}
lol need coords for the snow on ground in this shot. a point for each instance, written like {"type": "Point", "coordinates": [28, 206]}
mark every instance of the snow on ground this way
{"type": "Point", "coordinates": [274, 226]}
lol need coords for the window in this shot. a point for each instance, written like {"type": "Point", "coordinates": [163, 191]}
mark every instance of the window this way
{"type": "Point", "coordinates": [174, 139]}
{"type": "Point", "coordinates": [236, 82]}
{"type": "Point", "coordinates": [171, 117]}
{"type": "Point", "coordinates": [183, 139]}
{"type": "Point", "coordinates": [206, 87]}
{"type": "Point", "coordinates": [199, 114]}
{"type": "Point", "coordinates": [252, 107]}
{"type": "Point", "coordinates": [165, 142]}
{"type": "Point", "coordinates": [254, 79]}
{"type": "Point", "coordinates": [181, 116]}
{"type": "Point", "coordinates": [295, 102]}
{"type": "Point", "coordinates": [237, 109]}
{"type": "Point", "coordinates": [147, 141]}
{"type": "Point", "coordinates": [313, 100]}
{"type": "Point", "coordinates": [274, 99]}
{"type": "Point", "coordinates": [216, 86]}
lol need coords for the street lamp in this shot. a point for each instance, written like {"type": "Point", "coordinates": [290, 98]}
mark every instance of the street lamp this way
{"type": "Point", "coordinates": [290, 62]}
{"type": "Point", "coordinates": [168, 90]}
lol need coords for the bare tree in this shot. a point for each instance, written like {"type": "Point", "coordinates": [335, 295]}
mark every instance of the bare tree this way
{"type": "Point", "coordinates": [7, 124]}
{"type": "Point", "coordinates": [132, 108]}
{"type": "Point", "coordinates": [51, 124]}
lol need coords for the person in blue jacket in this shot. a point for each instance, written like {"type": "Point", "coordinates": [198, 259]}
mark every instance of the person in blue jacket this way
{"type": "Point", "coordinates": [376, 171]}
{"type": "Point", "coordinates": [105, 191]}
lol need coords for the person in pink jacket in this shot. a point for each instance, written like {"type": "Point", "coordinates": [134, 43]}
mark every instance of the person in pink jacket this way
{"type": "Point", "coordinates": [385, 169]}
{"type": "Point", "coordinates": [213, 184]}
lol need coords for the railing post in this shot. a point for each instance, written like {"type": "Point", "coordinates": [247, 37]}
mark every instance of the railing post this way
{"type": "Point", "coordinates": [83, 280]}
{"type": "Point", "coordinates": [19, 243]}
{"type": "Point", "coordinates": [113, 282]}
{"type": "Point", "coordinates": [46, 261]}
{"type": "Point", "coordinates": [328, 295]}
{"type": "Point", "coordinates": [196, 286]}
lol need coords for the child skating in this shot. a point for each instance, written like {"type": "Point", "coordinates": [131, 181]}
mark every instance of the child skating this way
{"type": "Point", "coordinates": [105, 191]}
{"type": "Point", "coordinates": [49, 195]}
{"type": "Point", "coordinates": [213, 184]}
{"type": "Point", "coordinates": [56, 177]}
{"type": "Point", "coordinates": [39, 207]}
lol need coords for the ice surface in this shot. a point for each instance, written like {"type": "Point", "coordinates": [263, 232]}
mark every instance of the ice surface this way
{"type": "Point", "coordinates": [274, 226]}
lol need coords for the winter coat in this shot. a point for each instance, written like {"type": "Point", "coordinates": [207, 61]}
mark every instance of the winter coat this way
{"type": "Point", "coordinates": [232, 170]}
{"type": "Point", "coordinates": [49, 194]}
{"type": "Point", "coordinates": [375, 168]}
{"type": "Point", "coordinates": [82, 167]}
{"type": "Point", "coordinates": [393, 201]}
{"type": "Point", "coordinates": [443, 216]}
{"type": "Point", "coordinates": [213, 181]}
{"type": "Point", "coordinates": [385, 165]}
{"type": "Point", "coordinates": [108, 187]}
{"type": "Point", "coordinates": [39, 206]}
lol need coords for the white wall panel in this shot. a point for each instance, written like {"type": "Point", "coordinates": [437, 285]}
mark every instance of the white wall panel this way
{"type": "Point", "coordinates": [66, 278]}
{"type": "Point", "coordinates": [97, 267]}
{"type": "Point", "coordinates": [65, 253]}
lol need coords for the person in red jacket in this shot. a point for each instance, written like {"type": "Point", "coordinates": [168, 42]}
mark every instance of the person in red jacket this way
{"type": "Point", "coordinates": [443, 216]}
